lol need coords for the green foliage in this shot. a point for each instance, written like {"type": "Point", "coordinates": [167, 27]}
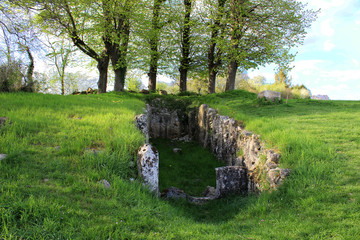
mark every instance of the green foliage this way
{"type": "Point", "coordinates": [11, 75]}
{"type": "Point", "coordinates": [133, 81]}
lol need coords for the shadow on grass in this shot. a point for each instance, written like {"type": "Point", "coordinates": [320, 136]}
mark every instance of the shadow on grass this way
{"type": "Point", "coordinates": [217, 211]}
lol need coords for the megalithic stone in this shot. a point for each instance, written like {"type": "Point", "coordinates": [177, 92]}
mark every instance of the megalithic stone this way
{"type": "Point", "coordinates": [148, 166]}
{"type": "Point", "coordinates": [231, 180]}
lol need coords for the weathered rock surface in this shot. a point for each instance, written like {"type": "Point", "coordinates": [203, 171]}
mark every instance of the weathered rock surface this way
{"type": "Point", "coordinates": [148, 166]}
{"type": "Point", "coordinates": [104, 183]}
{"type": "Point", "coordinates": [209, 192]}
{"type": "Point", "coordinates": [141, 122]}
{"type": "Point", "coordinates": [276, 176]}
{"type": "Point", "coordinates": [231, 180]}
{"type": "Point", "coordinates": [163, 92]}
{"type": "Point", "coordinates": [174, 193]}
{"type": "Point", "coordinates": [229, 142]}
{"type": "Point", "coordinates": [2, 156]}
{"type": "Point", "coordinates": [270, 95]}
{"type": "Point", "coordinates": [164, 123]}
{"type": "Point", "coordinates": [177, 150]}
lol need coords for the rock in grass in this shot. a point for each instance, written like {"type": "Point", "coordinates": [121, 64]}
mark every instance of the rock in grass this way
{"type": "Point", "coordinates": [177, 150]}
{"type": "Point", "coordinates": [2, 156]}
{"type": "Point", "coordinates": [104, 183]}
{"type": "Point", "coordinates": [174, 193]}
{"type": "Point", "coordinates": [209, 192]}
{"type": "Point", "coordinates": [270, 95]}
{"type": "Point", "coordinates": [148, 166]}
{"type": "Point", "coordinates": [3, 121]}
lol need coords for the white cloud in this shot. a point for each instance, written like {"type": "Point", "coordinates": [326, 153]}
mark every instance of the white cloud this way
{"type": "Point", "coordinates": [326, 28]}
{"type": "Point", "coordinates": [356, 62]}
{"type": "Point", "coordinates": [328, 46]}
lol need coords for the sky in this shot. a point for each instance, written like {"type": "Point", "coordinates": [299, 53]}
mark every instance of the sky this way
{"type": "Point", "coordinates": [328, 63]}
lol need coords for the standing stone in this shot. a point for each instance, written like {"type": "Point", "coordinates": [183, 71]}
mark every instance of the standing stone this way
{"type": "Point", "coordinates": [148, 166]}
{"type": "Point", "coordinates": [231, 180]}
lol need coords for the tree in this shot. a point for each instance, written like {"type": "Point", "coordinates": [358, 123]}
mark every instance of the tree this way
{"type": "Point", "coordinates": [185, 45]}
{"type": "Point", "coordinates": [61, 52]}
{"type": "Point", "coordinates": [282, 77]}
{"type": "Point", "coordinates": [18, 30]}
{"type": "Point", "coordinates": [84, 25]}
{"type": "Point", "coordinates": [263, 32]}
{"type": "Point", "coordinates": [154, 43]}
{"type": "Point", "coordinates": [117, 15]}
{"type": "Point", "coordinates": [214, 52]}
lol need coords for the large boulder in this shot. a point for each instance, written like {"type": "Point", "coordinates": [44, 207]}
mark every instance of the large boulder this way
{"type": "Point", "coordinates": [148, 166]}
{"type": "Point", "coordinates": [270, 95]}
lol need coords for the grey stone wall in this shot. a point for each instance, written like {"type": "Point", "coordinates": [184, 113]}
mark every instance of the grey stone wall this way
{"type": "Point", "coordinates": [226, 138]}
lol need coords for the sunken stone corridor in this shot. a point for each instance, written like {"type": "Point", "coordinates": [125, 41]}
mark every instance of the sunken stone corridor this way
{"type": "Point", "coordinates": [248, 165]}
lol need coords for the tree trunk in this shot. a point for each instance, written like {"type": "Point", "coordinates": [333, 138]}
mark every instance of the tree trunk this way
{"type": "Point", "coordinates": [236, 15]}
{"type": "Point", "coordinates": [120, 74]}
{"type": "Point", "coordinates": [214, 61]}
{"type": "Point", "coordinates": [29, 73]}
{"type": "Point", "coordinates": [119, 53]}
{"type": "Point", "coordinates": [185, 50]}
{"type": "Point", "coordinates": [62, 85]}
{"type": "Point", "coordinates": [230, 80]}
{"type": "Point", "coordinates": [102, 66]}
{"type": "Point", "coordinates": [183, 79]}
{"type": "Point", "coordinates": [152, 77]}
{"type": "Point", "coordinates": [212, 80]}
{"type": "Point", "coordinates": [154, 42]}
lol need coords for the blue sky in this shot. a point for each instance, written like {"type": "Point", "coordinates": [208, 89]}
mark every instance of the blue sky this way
{"type": "Point", "coordinates": [329, 60]}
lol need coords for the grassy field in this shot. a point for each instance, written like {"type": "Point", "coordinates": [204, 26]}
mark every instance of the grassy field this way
{"type": "Point", "coordinates": [60, 147]}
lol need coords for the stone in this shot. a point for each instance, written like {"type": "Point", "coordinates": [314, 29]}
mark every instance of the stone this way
{"type": "Point", "coordinates": [3, 121]}
{"type": "Point", "coordinates": [277, 175]}
{"type": "Point", "coordinates": [141, 122]}
{"type": "Point", "coordinates": [2, 156]}
{"type": "Point", "coordinates": [164, 123]}
{"type": "Point", "coordinates": [224, 136]}
{"type": "Point", "coordinates": [270, 165]}
{"type": "Point", "coordinates": [177, 150]}
{"type": "Point", "coordinates": [90, 91]}
{"type": "Point", "coordinates": [104, 183]}
{"type": "Point", "coordinates": [209, 192]}
{"type": "Point", "coordinates": [163, 92]}
{"type": "Point", "coordinates": [270, 95]}
{"type": "Point", "coordinates": [148, 166]}
{"type": "Point", "coordinates": [231, 180]}
{"type": "Point", "coordinates": [173, 193]}
{"type": "Point", "coordinates": [272, 156]}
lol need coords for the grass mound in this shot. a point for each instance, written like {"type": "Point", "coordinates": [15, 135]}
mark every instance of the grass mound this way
{"type": "Point", "coordinates": [60, 147]}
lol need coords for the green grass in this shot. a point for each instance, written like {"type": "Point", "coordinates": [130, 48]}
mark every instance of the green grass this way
{"type": "Point", "coordinates": [49, 183]}
{"type": "Point", "coordinates": [192, 169]}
